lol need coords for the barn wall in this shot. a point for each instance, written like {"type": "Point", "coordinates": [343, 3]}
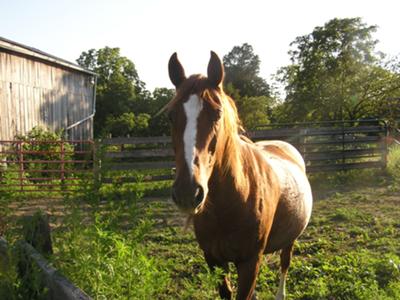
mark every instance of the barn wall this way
{"type": "Point", "coordinates": [35, 93]}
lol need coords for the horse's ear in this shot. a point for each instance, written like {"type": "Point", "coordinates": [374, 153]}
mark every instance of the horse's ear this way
{"type": "Point", "coordinates": [175, 70]}
{"type": "Point", "coordinates": [215, 70]}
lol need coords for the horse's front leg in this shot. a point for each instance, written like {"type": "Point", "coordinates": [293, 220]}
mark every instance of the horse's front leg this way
{"type": "Point", "coordinates": [224, 287]}
{"type": "Point", "coordinates": [247, 276]}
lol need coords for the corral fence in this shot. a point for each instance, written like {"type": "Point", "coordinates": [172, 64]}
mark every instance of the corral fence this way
{"type": "Point", "coordinates": [58, 167]}
{"type": "Point", "coordinates": [325, 146]}
{"type": "Point", "coordinates": [45, 166]}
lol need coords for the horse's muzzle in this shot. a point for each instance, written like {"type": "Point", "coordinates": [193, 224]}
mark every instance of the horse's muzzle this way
{"type": "Point", "coordinates": [188, 198]}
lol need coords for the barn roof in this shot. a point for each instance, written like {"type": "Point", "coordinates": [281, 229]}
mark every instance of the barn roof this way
{"type": "Point", "coordinates": [38, 54]}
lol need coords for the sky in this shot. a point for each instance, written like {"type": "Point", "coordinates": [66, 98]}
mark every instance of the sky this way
{"type": "Point", "coordinates": [149, 31]}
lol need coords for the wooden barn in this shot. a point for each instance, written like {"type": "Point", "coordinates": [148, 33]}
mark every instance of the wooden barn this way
{"type": "Point", "coordinates": [39, 89]}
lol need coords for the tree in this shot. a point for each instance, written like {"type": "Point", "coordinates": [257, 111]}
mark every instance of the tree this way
{"type": "Point", "coordinates": [127, 124]}
{"type": "Point", "coordinates": [118, 84]}
{"type": "Point", "coordinates": [160, 125]}
{"type": "Point", "coordinates": [254, 111]}
{"type": "Point", "coordinates": [336, 74]}
{"type": "Point", "coordinates": [246, 87]}
{"type": "Point", "coordinates": [242, 67]}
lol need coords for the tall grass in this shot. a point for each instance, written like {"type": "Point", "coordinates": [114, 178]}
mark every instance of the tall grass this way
{"type": "Point", "coordinates": [393, 166]}
{"type": "Point", "coordinates": [102, 251]}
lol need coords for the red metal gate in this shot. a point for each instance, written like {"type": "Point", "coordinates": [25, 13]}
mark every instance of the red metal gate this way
{"type": "Point", "coordinates": [53, 166]}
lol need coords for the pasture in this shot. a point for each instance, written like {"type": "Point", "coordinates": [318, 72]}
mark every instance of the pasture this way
{"type": "Point", "coordinates": [120, 245]}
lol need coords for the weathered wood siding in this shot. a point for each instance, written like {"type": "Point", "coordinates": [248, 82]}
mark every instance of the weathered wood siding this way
{"type": "Point", "coordinates": [37, 93]}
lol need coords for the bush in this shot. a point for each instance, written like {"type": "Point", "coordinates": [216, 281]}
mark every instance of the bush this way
{"type": "Point", "coordinates": [43, 146]}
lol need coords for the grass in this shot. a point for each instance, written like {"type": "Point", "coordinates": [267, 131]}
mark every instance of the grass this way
{"type": "Point", "coordinates": [351, 249]}
{"type": "Point", "coordinates": [393, 167]}
{"type": "Point", "coordinates": [118, 245]}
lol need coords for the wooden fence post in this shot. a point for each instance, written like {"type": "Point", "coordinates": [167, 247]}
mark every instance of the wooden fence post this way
{"type": "Point", "coordinates": [21, 165]}
{"type": "Point", "coordinates": [96, 164]}
{"type": "Point", "coordinates": [384, 145]}
{"type": "Point", "coordinates": [37, 232]}
{"type": "Point", "coordinates": [62, 163]}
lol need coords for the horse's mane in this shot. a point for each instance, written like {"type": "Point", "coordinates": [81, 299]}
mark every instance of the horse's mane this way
{"type": "Point", "coordinates": [228, 144]}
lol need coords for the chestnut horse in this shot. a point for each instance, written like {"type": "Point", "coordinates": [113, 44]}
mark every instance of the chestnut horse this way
{"type": "Point", "coordinates": [245, 198]}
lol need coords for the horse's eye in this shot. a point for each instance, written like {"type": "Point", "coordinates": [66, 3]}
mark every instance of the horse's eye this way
{"type": "Point", "coordinates": [213, 143]}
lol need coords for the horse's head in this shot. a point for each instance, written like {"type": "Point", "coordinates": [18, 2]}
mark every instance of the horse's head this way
{"type": "Point", "coordinates": [195, 114]}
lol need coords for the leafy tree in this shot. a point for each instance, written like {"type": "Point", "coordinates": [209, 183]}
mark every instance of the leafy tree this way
{"type": "Point", "coordinates": [128, 124]}
{"type": "Point", "coordinates": [242, 67]}
{"type": "Point", "coordinates": [246, 87]}
{"type": "Point", "coordinates": [118, 84]}
{"type": "Point", "coordinates": [254, 111]}
{"type": "Point", "coordinates": [160, 125]}
{"type": "Point", "coordinates": [336, 74]}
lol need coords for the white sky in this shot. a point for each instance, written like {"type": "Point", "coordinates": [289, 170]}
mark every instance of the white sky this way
{"type": "Point", "coordinates": [149, 31]}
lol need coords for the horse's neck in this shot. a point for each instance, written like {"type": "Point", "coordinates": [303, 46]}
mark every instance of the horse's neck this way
{"type": "Point", "coordinates": [234, 178]}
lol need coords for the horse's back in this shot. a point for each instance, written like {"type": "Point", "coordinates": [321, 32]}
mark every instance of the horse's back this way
{"type": "Point", "coordinates": [283, 150]}
{"type": "Point", "coordinates": [295, 203]}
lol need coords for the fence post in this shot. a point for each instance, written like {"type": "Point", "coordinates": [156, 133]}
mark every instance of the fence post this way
{"type": "Point", "coordinates": [96, 164]}
{"type": "Point", "coordinates": [303, 142]}
{"type": "Point", "coordinates": [343, 147]}
{"type": "Point", "coordinates": [21, 165]}
{"type": "Point", "coordinates": [385, 146]}
{"type": "Point", "coordinates": [37, 232]}
{"type": "Point", "coordinates": [62, 163]}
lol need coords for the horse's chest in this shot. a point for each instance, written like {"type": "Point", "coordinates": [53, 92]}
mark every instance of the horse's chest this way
{"type": "Point", "coordinates": [229, 242]}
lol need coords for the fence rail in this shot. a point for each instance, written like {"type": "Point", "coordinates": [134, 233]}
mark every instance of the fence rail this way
{"type": "Point", "coordinates": [325, 146]}
{"type": "Point", "coordinates": [56, 166]}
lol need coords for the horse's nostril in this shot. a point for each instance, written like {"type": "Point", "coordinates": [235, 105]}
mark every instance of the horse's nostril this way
{"type": "Point", "coordinates": [199, 195]}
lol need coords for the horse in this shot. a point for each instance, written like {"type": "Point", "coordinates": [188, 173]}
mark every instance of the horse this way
{"type": "Point", "coordinates": [245, 199]}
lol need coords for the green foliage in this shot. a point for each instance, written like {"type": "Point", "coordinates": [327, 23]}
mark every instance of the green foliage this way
{"type": "Point", "coordinates": [42, 153]}
{"type": "Point", "coordinates": [114, 263]}
{"type": "Point", "coordinates": [8, 277]}
{"type": "Point", "coordinates": [393, 165]}
{"type": "Point", "coordinates": [349, 250]}
{"type": "Point", "coordinates": [45, 147]}
{"type": "Point", "coordinates": [128, 124]}
{"type": "Point", "coordinates": [160, 125]}
{"type": "Point", "coordinates": [254, 111]}
{"type": "Point", "coordinates": [246, 87]}
{"type": "Point", "coordinates": [118, 83]}
{"type": "Point", "coordinates": [119, 246]}
{"type": "Point", "coordinates": [32, 284]}
{"type": "Point", "coordinates": [242, 67]}
{"type": "Point", "coordinates": [335, 74]}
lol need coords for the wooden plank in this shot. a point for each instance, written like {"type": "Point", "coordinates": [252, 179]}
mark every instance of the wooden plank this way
{"type": "Point", "coordinates": [340, 131]}
{"type": "Point", "coordinates": [59, 286]}
{"type": "Point", "coordinates": [353, 153]}
{"type": "Point", "coordinates": [295, 132]}
{"type": "Point", "coordinates": [340, 167]}
{"type": "Point", "coordinates": [141, 153]}
{"type": "Point", "coordinates": [273, 133]}
{"type": "Point", "coordinates": [141, 165]}
{"type": "Point", "coordinates": [137, 140]}
{"type": "Point", "coordinates": [347, 140]}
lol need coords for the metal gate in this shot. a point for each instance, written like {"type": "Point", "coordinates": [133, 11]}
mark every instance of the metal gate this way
{"type": "Point", "coordinates": [51, 167]}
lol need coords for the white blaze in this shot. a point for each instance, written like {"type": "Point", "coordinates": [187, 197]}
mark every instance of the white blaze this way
{"type": "Point", "coordinates": [192, 109]}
